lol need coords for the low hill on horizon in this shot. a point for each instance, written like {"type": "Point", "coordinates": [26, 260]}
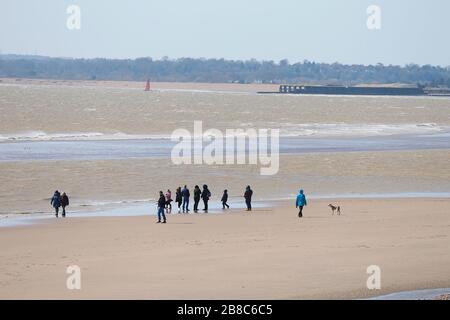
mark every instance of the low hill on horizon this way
{"type": "Point", "coordinates": [218, 71]}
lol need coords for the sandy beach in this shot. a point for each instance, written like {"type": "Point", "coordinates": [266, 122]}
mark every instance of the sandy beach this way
{"type": "Point", "coordinates": [385, 162]}
{"type": "Point", "coordinates": [166, 151]}
{"type": "Point", "coordinates": [268, 254]}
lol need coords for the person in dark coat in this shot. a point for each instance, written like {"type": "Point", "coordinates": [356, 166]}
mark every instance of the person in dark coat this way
{"type": "Point", "coordinates": [161, 207]}
{"type": "Point", "coordinates": [55, 202]}
{"type": "Point", "coordinates": [178, 198]}
{"type": "Point", "coordinates": [64, 203]}
{"type": "Point", "coordinates": [225, 199]}
{"type": "Point", "coordinates": [248, 198]}
{"type": "Point", "coordinates": [186, 195]}
{"type": "Point", "coordinates": [197, 196]}
{"type": "Point", "coordinates": [206, 194]}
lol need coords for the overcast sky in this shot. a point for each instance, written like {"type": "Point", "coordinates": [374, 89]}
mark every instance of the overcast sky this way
{"type": "Point", "coordinates": [412, 31]}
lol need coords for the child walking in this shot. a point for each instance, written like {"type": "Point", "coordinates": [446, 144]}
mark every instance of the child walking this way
{"type": "Point", "coordinates": [225, 200]}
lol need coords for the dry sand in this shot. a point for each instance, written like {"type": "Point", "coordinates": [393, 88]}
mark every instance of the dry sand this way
{"type": "Point", "coordinates": [267, 254]}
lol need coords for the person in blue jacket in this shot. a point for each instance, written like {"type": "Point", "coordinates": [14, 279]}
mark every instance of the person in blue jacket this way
{"type": "Point", "coordinates": [300, 203]}
{"type": "Point", "coordinates": [56, 202]}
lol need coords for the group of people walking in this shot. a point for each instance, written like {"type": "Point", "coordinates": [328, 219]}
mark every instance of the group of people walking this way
{"type": "Point", "coordinates": [182, 197]}
{"type": "Point", "coordinates": [59, 201]}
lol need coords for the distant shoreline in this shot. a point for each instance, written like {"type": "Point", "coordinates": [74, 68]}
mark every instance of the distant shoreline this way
{"type": "Point", "coordinates": [220, 70]}
{"type": "Point", "coordinates": [140, 85]}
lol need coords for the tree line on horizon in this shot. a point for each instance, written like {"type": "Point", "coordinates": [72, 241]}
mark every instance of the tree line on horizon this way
{"type": "Point", "coordinates": [219, 71]}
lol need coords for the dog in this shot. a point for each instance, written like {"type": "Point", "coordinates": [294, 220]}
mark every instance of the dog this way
{"type": "Point", "coordinates": [335, 209]}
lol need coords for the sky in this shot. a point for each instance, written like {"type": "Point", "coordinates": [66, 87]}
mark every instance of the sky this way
{"type": "Point", "coordinates": [411, 31]}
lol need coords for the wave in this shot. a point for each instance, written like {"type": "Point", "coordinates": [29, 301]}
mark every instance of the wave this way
{"type": "Point", "coordinates": [113, 203]}
{"type": "Point", "coordinates": [362, 130]}
{"type": "Point", "coordinates": [75, 136]}
{"type": "Point", "coordinates": [286, 130]}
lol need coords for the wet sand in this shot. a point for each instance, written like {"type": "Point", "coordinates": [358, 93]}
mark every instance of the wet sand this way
{"type": "Point", "coordinates": [91, 185]}
{"type": "Point", "coordinates": [267, 254]}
